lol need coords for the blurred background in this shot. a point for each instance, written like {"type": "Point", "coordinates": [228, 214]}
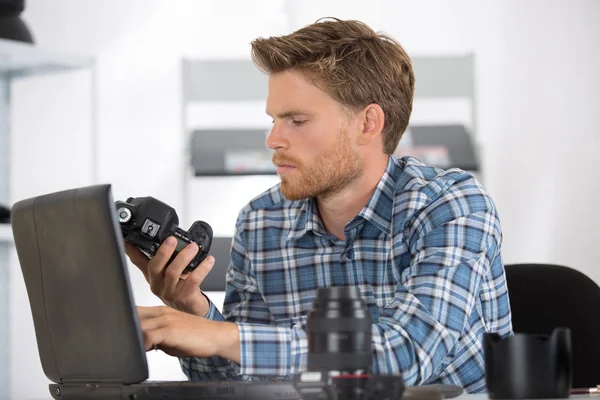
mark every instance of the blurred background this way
{"type": "Point", "coordinates": [159, 98]}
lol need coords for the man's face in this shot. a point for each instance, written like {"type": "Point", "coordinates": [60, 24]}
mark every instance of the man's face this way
{"type": "Point", "coordinates": [313, 139]}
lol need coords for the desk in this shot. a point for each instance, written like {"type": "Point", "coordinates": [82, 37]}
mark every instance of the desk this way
{"type": "Point", "coordinates": [484, 396]}
{"type": "Point", "coordinates": [480, 396]}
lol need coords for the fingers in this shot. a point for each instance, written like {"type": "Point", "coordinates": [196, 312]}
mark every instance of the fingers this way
{"type": "Point", "coordinates": [157, 264]}
{"type": "Point", "coordinates": [153, 338]}
{"type": "Point", "coordinates": [168, 281]}
{"type": "Point", "coordinates": [177, 333]}
{"type": "Point", "coordinates": [196, 277]}
{"type": "Point", "coordinates": [151, 312]}
{"type": "Point", "coordinates": [152, 322]}
{"type": "Point", "coordinates": [174, 271]}
{"type": "Point", "coordinates": [190, 287]}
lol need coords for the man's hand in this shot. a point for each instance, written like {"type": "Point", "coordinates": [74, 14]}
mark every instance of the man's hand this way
{"type": "Point", "coordinates": [183, 335]}
{"type": "Point", "coordinates": [176, 289]}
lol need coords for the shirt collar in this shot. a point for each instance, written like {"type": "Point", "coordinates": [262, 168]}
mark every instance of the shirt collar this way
{"type": "Point", "coordinates": [378, 210]}
{"type": "Point", "coordinates": [306, 220]}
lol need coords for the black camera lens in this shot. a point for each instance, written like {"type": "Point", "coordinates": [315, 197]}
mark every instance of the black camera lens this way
{"type": "Point", "coordinates": [339, 332]}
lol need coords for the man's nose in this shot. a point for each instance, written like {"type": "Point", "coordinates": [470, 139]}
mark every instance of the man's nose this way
{"type": "Point", "coordinates": [275, 139]}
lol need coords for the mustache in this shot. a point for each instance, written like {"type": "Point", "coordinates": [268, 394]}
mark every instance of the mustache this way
{"type": "Point", "coordinates": [279, 159]}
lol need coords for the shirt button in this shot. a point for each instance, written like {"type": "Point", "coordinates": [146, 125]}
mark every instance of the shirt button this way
{"type": "Point", "coordinates": [350, 254]}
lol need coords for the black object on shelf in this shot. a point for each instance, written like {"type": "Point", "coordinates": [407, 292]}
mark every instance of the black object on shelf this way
{"type": "Point", "coordinates": [444, 146]}
{"type": "Point", "coordinates": [12, 27]}
{"type": "Point", "coordinates": [231, 152]}
{"type": "Point", "coordinates": [4, 215]}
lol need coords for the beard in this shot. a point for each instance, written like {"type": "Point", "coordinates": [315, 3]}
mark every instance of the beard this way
{"type": "Point", "coordinates": [326, 176]}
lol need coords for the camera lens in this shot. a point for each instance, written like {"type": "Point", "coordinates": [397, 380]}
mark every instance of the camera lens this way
{"type": "Point", "coordinates": [339, 332]}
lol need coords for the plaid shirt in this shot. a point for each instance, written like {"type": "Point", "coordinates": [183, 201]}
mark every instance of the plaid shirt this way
{"type": "Point", "coordinates": [424, 251]}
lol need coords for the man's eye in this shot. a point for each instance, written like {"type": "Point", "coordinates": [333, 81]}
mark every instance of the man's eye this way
{"type": "Point", "coordinates": [298, 121]}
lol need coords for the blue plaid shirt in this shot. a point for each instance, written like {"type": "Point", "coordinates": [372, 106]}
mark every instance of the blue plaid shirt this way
{"type": "Point", "coordinates": [424, 251]}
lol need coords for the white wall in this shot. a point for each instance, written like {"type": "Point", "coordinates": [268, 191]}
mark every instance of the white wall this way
{"type": "Point", "coordinates": [538, 101]}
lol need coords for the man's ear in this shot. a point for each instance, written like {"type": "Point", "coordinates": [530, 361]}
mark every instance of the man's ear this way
{"type": "Point", "coordinates": [372, 123]}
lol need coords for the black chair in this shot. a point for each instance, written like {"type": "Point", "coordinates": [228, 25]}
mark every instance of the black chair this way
{"type": "Point", "coordinates": [543, 297]}
{"type": "Point", "coordinates": [221, 250]}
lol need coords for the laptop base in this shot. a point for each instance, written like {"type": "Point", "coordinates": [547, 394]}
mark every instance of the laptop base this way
{"type": "Point", "coordinates": [176, 390]}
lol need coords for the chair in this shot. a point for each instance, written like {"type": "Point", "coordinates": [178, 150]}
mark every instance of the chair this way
{"type": "Point", "coordinates": [543, 297]}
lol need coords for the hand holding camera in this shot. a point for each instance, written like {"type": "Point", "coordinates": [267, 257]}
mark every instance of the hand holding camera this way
{"type": "Point", "coordinates": [173, 261]}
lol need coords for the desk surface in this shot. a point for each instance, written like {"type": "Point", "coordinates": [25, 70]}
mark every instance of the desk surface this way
{"type": "Point", "coordinates": [484, 396]}
{"type": "Point", "coordinates": [480, 396]}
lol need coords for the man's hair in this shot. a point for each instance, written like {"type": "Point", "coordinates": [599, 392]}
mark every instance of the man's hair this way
{"type": "Point", "coordinates": [352, 63]}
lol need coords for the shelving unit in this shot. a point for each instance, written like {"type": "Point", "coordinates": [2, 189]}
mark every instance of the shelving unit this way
{"type": "Point", "coordinates": [18, 61]}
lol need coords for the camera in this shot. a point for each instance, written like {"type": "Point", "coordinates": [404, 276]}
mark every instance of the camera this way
{"type": "Point", "coordinates": [339, 357]}
{"type": "Point", "coordinates": [146, 222]}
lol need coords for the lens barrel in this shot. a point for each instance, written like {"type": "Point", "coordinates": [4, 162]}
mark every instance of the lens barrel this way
{"type": "Point", "coordinates": [339, 332]}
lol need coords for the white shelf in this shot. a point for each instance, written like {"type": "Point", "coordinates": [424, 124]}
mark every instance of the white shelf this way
{"type": "Point", "coordinates": [21, 59]}
{"type": "Point", "coordinates": [6, 234]}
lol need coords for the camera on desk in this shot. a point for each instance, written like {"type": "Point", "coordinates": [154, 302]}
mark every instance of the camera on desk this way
{"type": "Point", "coordinates": [146, 222]}
{"type": "Point", "coordinates": [340, 351]}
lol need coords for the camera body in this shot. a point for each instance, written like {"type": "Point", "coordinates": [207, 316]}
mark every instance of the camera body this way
{"type": "Point", "coordinates": [146, 222]}
{"type": "Point", "coordinates": [340, 351]}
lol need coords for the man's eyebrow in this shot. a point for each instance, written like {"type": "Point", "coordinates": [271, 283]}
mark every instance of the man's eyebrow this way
{"type": "Point", "coordinates": [291, 113]}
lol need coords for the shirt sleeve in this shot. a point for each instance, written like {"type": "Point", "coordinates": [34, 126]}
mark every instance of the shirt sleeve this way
{"type": "Point", "coordinates": [452, 253]}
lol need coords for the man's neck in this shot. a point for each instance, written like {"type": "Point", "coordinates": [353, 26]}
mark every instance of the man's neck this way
{"type": "Point", "coordinates": [339, 209]}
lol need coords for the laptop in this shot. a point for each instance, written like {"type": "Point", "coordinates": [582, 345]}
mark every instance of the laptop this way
{"type": "Point", "coordinates": [72, 257]}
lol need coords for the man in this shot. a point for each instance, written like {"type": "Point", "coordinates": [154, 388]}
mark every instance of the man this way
{"type": "Point", "coordinates": [422, 244]}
